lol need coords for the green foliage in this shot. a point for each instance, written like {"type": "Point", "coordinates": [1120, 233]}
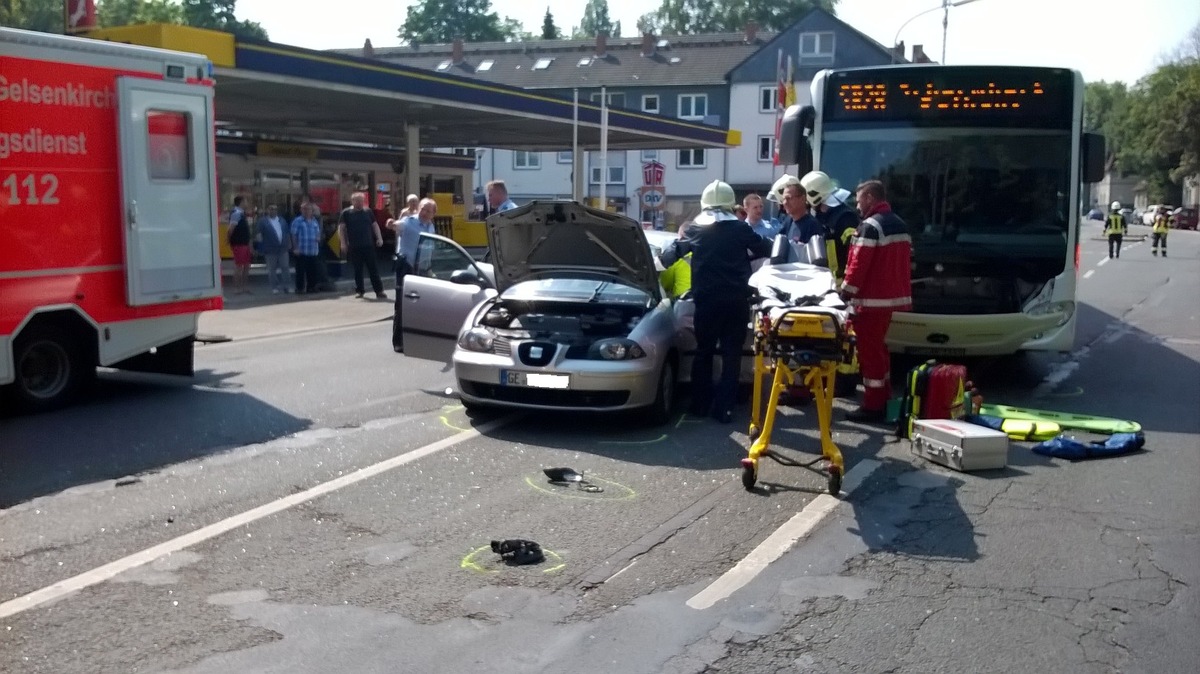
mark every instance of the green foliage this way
{"type": "Point", "coordinates": [41, 15]}
{"type": "Point", "coordinates": [441, 21]}
{"type": "Point", "coordinates": [549, 30]}
{"type": "Point", "coordinates": [596, 20]}
{"type": "Point", "coordinates": [688, 17]}
{"type": "Point", "coordinates": [131, 12]}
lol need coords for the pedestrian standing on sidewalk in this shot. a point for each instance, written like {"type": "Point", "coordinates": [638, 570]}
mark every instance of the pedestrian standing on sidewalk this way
{"type": "Point", "coordinates": [359, 236]}
{"type": "Point", "coordinates": [275, 241]}
{"type": "Point", "coordinates": [306, 245]}
{"type": "Point", "coordinates": [239, 243]}
{"type": "Point", "coordinates": [408, 237]}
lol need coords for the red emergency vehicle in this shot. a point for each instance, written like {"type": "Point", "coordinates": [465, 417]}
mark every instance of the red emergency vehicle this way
{"type": "Point", "coordinates": [108, 245]}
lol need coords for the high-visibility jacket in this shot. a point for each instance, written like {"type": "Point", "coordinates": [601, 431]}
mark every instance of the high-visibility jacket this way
{"type": "Point", "coordinates": [878, 271]}
{"type": "Point", "coordinates": [1116, 224]}
{"type": "Point", "coordinates": [1160, 224]}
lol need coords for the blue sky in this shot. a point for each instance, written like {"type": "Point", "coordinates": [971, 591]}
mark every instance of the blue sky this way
{"type": "Point", "coordinates": [1106, 41]}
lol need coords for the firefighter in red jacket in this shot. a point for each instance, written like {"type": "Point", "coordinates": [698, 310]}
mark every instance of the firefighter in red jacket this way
{"type": "Point", "coordinates": [878, 282]}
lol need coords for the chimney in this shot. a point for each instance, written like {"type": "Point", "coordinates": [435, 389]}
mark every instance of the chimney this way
{"type": "Point", "coordinates": [368, 51]}
{"type": "Point", "coordinates": [601, 45]}
{"type": "Point", "coordinates": [648, 43]}
{"type": "Point", "coordinates": [898, 51]}
{"type": "Point", "coordinates": [919, 54]}
{"type": "Point", "coordinates": [456, 51]}
{"type": "Point", "coordinates": [751, 31]}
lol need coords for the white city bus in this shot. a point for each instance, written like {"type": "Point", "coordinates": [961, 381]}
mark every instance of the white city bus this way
{"type": "Point", "coordinates": [986, 165]}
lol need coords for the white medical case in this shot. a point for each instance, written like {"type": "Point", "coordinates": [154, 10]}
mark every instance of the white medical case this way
{"type": "Point", "coordinates": [959, 445]}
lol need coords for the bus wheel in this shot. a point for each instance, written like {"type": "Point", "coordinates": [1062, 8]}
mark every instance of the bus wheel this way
{"type": "Point", "coordinates": [50, 368]}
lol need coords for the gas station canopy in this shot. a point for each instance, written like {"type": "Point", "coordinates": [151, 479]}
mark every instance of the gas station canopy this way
{"type": "Point", "coordinates": [263, 88]}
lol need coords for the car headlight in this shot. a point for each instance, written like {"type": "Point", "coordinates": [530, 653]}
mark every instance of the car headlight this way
{"type": "Point", "coordinates": [616, 349]}
{"type": "Point", "coordinates": [477, 339]}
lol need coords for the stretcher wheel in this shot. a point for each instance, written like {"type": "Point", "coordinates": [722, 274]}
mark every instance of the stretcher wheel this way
{"type": "Point", "coordinates": [749, 473]}
{"type": "Point", "coordinates": [835, 480]}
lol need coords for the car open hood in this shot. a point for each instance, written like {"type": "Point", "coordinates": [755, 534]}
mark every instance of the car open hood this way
{"type": "Point", "coordinates": [543, 237]}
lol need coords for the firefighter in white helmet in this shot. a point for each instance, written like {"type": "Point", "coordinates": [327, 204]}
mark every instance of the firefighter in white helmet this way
{"type": "Point", "coordinates": [838, 221]}
{"type": "Point", "coordinates": [1115, 229]}
{"type": "Point", "coordinates": [721, 247]}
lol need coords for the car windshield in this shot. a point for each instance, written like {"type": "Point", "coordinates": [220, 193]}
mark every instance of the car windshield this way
{"type": "Point", "coordinates": [581, 288]}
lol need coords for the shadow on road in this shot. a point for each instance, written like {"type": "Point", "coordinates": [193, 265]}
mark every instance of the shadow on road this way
{"type": "Point", "coordinates": [174, 422]}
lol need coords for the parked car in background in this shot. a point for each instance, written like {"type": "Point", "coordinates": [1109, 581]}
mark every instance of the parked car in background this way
{"type": "Point", "coordinates": [1185, 218]}
{"type": "Point", "coordinates": [1095, 214]}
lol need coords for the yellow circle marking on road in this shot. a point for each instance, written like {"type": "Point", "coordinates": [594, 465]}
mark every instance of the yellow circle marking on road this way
{"type": "Point", "coordinates": [472, 562]}
{"type": "Point", "coordinates": [635, 442]}
{"type": "Point", "coordinates": [447, 424]}
{"type": "Point", "coordinates": [623, 493]}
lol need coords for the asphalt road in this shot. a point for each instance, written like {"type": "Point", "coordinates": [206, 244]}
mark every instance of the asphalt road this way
{"type": "Point", "coordinates": [284, 544]}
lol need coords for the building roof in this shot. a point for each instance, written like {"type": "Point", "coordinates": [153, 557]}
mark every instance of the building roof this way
{"type": "Point", "coordinates": [696, 60]}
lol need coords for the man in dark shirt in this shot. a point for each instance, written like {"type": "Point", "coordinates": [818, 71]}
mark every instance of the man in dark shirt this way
{"type": "Point", "coordinates": [721, 247]}
{"type": "Point", "coordinates": [359, 236]}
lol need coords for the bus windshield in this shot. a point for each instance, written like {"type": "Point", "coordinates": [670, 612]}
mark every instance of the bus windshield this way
{"type": "Point", "coordinates": [989, 204]}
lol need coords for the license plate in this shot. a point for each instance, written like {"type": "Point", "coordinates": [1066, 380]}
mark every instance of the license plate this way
{"type": "Point", "coordinates": [534, 379]}
{"type": "Point", "coordinates": [935, 351]}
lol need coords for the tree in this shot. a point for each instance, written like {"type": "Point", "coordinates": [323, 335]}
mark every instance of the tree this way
{"type": "Point", "coordinates": [441, 21]}
{"type": "Point", "coordinates": [130, 12]}
{"type": "Point", "coordinates": [596, 20]}
{"type": "Point", "coordinates": [549, 30]}
{"type": "Point", "coordinates": [648, 24]}
{"type": "Point", "coordinates": [1104, 107]}
{"type": "Point", "coordinates": [219, 15]}
{"type": "Point", "coordinates": [41, 15]}
{"type": "Point", "coordinates": [687, 17]}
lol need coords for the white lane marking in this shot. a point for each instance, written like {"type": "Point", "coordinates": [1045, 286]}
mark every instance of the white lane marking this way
{"type": "Point", "coordinates": [1089, 273]}
{"type": "Point", "coordinates": [1102, 262]}
{"type": "Point", "coordinates": [780, 541]}
{"type": "Point", "coordinates": [103, 573]}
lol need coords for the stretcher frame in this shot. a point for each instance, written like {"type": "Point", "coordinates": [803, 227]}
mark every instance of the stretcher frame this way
{"type": "Point", "coordinates": [797, 345]}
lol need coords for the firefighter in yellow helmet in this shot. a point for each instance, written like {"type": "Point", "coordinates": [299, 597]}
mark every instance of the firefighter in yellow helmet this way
{"type": "Point", "coordinates": [1115, 229]}
{"type": "Point", "coordinates": [1158, 233]}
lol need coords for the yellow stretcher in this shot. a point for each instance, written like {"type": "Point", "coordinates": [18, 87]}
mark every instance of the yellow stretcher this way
{"type": "Point", "coordinates": [797, 346]}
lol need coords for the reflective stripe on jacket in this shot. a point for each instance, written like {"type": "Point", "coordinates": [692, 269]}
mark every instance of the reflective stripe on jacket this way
{"type": "Point", "coordinates": [878, 270]}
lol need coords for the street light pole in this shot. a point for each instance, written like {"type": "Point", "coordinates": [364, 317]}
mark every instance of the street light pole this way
{"type": "Point", "coordinates": [945, 7]}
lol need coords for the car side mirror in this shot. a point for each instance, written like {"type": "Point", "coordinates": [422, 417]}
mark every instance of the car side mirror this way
{"type": "Point", "coordinates": [467, 277]}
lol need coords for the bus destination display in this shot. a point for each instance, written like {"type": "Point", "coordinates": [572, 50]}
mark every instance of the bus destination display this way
{"type": "Point", "coordinates": [914, 96]}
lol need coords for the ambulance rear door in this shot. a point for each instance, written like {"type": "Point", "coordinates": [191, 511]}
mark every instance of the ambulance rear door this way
{"type": "Point", "coordinates": [168, 190]}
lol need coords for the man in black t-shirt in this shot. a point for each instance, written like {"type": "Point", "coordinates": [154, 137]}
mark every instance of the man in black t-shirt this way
{"type": "Point", "coordinates": [359, 236]}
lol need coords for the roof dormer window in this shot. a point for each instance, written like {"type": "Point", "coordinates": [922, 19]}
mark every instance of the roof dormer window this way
{"type": "Point", "coordinates": [543, 63]}
{"type": "Point", "coordinates": [485, 65]}
{"type": "Point", "coordinates": [443, 66]}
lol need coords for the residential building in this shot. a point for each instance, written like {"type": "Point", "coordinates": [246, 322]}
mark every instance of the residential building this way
{"type": "Point", "coordinates": [726, 79]}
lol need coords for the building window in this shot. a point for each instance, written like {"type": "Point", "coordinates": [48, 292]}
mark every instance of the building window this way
{"type": "Point", "coordinates": [650, 103]}
{"type": "Point", "coordinates": [169, 145]}
{"type": "Point", "coordinates": [816, 47]}
{"type": "Point", "coordinates": [525, 161]}
{"type": "Point", "coordinates": [542, 63]}
{"type": "Point", "coordinates": [564, 157]}
{"type": "Point", "coordinates": [616, 175]}
{"type": "Point", "coordinates": [693, 106]}
{"type": "Point", "coordinates": [616, 100]}
{"type": "Point", "coordinates": [692, 158]}
{"type": "Point", "coordinates": [485, 65]}
{"type": "Point", "coordinates": [768, 99]}
{"type": "Point", "coordinates": [766, 148]}
{"type": "Point", "coordinates": [443, 66]}
{"type": "Point", "coordinates": [649, 155]}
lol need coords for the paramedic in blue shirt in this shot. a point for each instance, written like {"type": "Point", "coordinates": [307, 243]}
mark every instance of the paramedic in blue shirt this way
{"type": "Point", "coordinates": [408, 236]}
{"type": "Point", "coordinates": [764, 227]}
{"type": "Point", "coordinates": [497, 197]}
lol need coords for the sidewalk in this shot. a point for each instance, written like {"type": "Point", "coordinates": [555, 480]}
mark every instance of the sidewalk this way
{"type": "Point", "coordinates": [263, 314]}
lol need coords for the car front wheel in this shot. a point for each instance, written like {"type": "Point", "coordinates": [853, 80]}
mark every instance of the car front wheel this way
{"type": "Point", "coordinates": [659, 412]}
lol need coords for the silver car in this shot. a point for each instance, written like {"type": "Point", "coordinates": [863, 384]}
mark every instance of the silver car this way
{"type": "Point", "coordinates": [569, 314]}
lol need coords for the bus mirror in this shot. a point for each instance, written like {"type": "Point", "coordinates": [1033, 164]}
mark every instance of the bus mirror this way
{"type": "Point", "coordinates": [794, 134]}
{"type": "Point", "coordinates": [1093, 157]}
